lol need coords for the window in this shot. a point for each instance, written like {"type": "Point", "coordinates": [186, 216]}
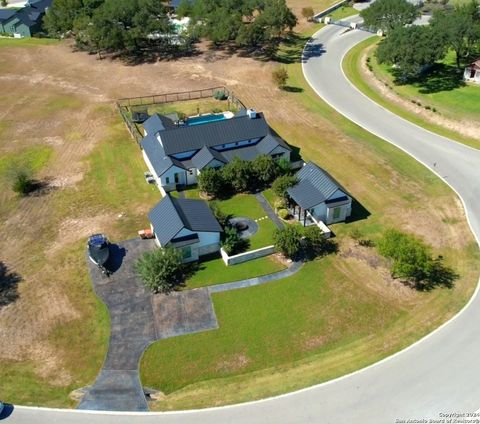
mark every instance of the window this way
{"type": "Point", "coordinates": [187, 252]}
{"type": "Point", "coordinates": [167, 180]}
{"type": "Point", "coordinates": [277, 155]}
{"type": "Point", "coordinates": [336, 213]}
{"type": "Point", "coordinates": [176, 178]}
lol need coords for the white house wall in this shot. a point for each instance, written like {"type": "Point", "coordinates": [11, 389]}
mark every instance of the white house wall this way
{"type": "Point", "coordinates": [170, 174]}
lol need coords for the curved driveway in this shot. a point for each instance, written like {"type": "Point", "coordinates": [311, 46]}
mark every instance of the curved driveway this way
{"type": "Point", "coordinates": [439, 374]}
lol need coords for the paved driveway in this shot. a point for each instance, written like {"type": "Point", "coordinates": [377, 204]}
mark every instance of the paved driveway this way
{"type": "Point", "coordinates": [138, 318]}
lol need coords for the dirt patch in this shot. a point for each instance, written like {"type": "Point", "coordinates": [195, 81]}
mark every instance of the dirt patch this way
{"type": "Point", "coordinates": [233, 363]}
{"type": "Point", "coordinates": [372, 271]}
{"type": "Point", "coordinates": [463, 126]}
{"type": "Point", "coordinates": [420, 222]}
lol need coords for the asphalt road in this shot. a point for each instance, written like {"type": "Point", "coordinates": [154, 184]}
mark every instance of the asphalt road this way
{"type": "Point", "coordinates": [440, 374]}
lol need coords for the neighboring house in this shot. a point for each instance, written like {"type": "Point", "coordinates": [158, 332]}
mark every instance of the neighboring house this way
{"type": "Point", "coordinates": [317, 195]}
{"type": "Point", "coordinates": [176, 152]}
{"type": "Point", "coordinates": [187, 225]}
{"type": "Point", "coordinates": [26, 21]}
{"type": "Point", "coordinates": [472, 72]}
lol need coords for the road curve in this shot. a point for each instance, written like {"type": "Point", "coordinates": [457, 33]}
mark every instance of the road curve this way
{"type": "Point", "coordinates": [441, 373]}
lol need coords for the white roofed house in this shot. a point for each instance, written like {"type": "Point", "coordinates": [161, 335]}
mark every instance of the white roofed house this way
{"type": "Point", "coordinates": [187, 225]}
{"type": "Point", "coordinates": [318, 197]}
{"type": "Point", "coordinates": [176, 152]}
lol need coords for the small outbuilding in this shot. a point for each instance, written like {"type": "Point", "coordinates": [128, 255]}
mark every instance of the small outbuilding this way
{"type": "Point", "coordinates": [187, 225]}
{"type": "Point", "coordinates": [318, 197]}
{"type": "Point", "coordinates": [472, 72]}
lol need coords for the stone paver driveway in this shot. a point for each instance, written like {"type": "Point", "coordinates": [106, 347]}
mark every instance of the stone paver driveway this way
{"type": "Point", "coordinates": [138, 318]}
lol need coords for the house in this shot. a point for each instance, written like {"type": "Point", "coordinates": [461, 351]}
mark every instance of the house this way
{"type": "Point", "coordinates": [318, 197]}
{"type": "Point", "coordinates": [185, 224]}
{"type": "Point", "coordinates": [24, 22]}
{"type": "Point", "coordinates": [177, 151]}
{"type": "Point", "coordinates": [472, 72]}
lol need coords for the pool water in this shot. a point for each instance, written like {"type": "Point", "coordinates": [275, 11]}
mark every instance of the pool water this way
{"type": "Point", "coordinates": [199, 120]}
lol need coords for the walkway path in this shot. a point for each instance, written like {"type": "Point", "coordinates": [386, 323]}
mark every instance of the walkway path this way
{"type": "Point", "coordinates": [138, 318]}
{"type": "Point", "coordinates": [268, 209]}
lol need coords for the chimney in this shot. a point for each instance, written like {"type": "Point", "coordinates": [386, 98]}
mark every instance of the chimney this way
{"type": "Point", "coordinates": [252, 113]}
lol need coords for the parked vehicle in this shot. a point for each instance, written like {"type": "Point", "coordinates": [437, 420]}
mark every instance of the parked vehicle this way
{"type": "Point", "coordinates": [99, 250]}
{"type": "Point", "coordinates": [149, 177]}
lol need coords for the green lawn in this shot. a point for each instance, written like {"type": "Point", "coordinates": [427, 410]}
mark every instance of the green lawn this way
{"type": "Point", "coordinates": [214, 271]}
{"type": "Point", "coordinates": [247, 205]}
{"type": "Point", "coordinates": [270, 326]}
{"type": "Point", "coordinates": [455, 102]}
{"type": "Point", "coordinates": [343, 12]}
{"type": "Point", "coordinates": [27, 42]}
{"type": "Point", "coordinates": [270, 196]}
{"type": "Point", "coordinates": [326, 320]}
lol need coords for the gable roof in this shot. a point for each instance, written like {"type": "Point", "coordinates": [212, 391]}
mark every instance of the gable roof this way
{"type": "Point", "coordinates": [156, 155]}
{"type": "Point", "coordinates": [314, 186]}
{"type": "Point", "coordinates": [171, 215]}
{"type": "Point", "coordinates": [6, 14]}
{"type": "Point", "coordinates": [205, 155]}
{"type": "Point", "coordinates": [188, 138]}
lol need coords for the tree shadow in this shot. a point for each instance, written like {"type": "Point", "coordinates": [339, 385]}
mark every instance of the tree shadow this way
{"type": "Point", "coordinates": [290, 89]}
{"type": "Point", "coordinates": [439, 77]}
{"type": "Point", "coordinates": [8, 285]}
{"type": "Point", "coordinates": [359, 212]}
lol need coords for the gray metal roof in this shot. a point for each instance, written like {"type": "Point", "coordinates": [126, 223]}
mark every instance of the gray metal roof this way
{"type": "Point", "coordinates": [7, 13]}
{"type": "Point", "coordinates": [244, 153]}
{"type": "Point", "coordinates": [267, 144]}
{"type": "Point", "coordinates": [156, 155]}
{"type": "Point", "coordinates": [165, 220]}
{"type": "Point", "coordinates": [205, 155]}
{"type": "Point", "coordinates": [188, 138]}
{"type": "Point", "coordinates": [171, 215]}
{"type": "Point", "coordinates": [153, 125]}
{"type": "Point", "coordinates": [197, 215]}
{"type": "Point", "coordinates": [315, 186]}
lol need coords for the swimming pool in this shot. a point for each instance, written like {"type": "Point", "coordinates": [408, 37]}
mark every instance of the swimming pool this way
{"type": "Point", "coordinates": [203, 119]}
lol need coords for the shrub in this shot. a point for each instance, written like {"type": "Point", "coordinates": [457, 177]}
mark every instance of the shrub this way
{"type": "Point", "coordinates": [412, 261]}
{"type": "Point", "coordinates": [160, 270]}
{"type": "Point", "coordinates": [308, 13]}
{"type": "Point", "coordinates": [265, 169]}
{"type": "Point", "coordinates": [283, 166]}
{"type": "Point", "coordinates": [216, 110]}
{"type": "Point", "coordinates": [219, 95]}
{"type": "Point", "coordinates": [238, 174]}
{"type": "Point", "coordinates": [280, 204]}
{"type": "Point", "coordinates": [280, 76]}
{"type": "Point", "coordinates": [211, 181]}
{"type": "Point", "coordinates": [283, 213]}
{"type": "Point", "coordinates": [281, 184]}
{"type": "Point", "coordinates": [232, 243]}
{"type": "Point", "coordinates": [288, 241]}
{"type": "Point", "coordinates": [222, 217]}
{"type": "Point", "coordinates": [316, 244]}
